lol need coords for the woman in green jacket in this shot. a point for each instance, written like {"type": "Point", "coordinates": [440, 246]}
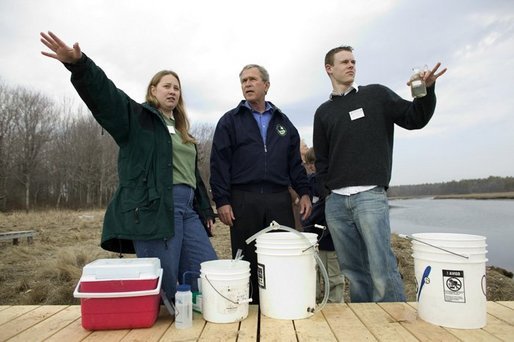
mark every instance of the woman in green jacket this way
{"type": "Point", "coordinates": [161, 200]}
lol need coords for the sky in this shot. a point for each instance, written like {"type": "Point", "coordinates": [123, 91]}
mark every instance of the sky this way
{"type": "Point", "coordinates": [208, 42]}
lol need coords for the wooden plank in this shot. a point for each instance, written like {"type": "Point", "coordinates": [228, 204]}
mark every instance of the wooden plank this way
{"type": "Point", "coordinates": [154, 333]}
{"type": "Point", "coordinates": [106, 335]}
{"type": "Point", "coordinates": [499, 328]}
{"type": "Point", "coordinates": [345, 325]}
{"type": "Point", "coordinates": [314, 328]}
{"type": "Point", "coordinates": [191, 334]}
{"type": "Point", "coordinates": [249, 327]}
{"type": "Point", "coordinates": [380, 323]}
{"type": "Point", "coordinates": [71, 332]}
{"type": "Point", "coordinates": [507, 304]}
{"type": "Point", "coordinates": [406, 315]}
{"type": "Point", "coordinates": [27, 320]}
{"type": "Point", "coordinates": [280, 330]}
{"type": "Point", "coordinates": [49, 326]}
{"type": "Point", "coordinates": [15, 236]}
{"type": "Point", "coordinates": [501, 312]}
{"type": "Point", "coordinates": [220, 332]}
{"type": "Point", "coordinates": [470, 335]}
{"type": "Point", "coordinates": [14, 311]}
{"type": "Point", "coordinates": [401, 312]}
{"type": "Point", "coordinates": [336, 321]}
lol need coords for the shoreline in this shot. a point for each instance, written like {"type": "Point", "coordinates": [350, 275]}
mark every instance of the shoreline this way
{"type": "Point", "coordinates": [473, 196]}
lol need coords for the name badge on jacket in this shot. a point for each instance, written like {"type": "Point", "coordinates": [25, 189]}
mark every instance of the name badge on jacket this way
{"type": "Point", "coordinates": [171, 129]}
{"type": "Point", "coordinates": [356, 114]}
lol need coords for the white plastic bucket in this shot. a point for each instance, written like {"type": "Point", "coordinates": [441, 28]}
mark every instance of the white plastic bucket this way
{"type": "Point", "coordinates": [286, 269]}
{"type": "Point", "coordinates": [225, 290]}
{"type": "Point", "coordinates": [451, 288]}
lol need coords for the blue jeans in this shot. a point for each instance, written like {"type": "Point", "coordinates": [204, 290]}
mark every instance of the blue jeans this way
{"type": "Point", "coordinates": [359, 225]}
{"type": "Point", "coordinates": [189, 247]}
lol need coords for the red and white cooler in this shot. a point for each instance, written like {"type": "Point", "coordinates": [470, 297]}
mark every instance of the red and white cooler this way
{"type": "Point", "coordinates": [120, 293]}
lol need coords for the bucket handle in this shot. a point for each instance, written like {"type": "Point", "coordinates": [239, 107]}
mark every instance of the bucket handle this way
{"type": "Point", "coordinates": [275, 226]}
{"type": "Point", "coordinates": [429, 244]}
{"type": "Point", "coordinates": [239, 302]}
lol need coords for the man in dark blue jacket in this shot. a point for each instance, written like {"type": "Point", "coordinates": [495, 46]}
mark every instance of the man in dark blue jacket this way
{"type": "Point", "coordinates": [255, 157]}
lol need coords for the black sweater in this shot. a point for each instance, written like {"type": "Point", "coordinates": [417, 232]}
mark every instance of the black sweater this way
{"type": "Point", "coordinates": [359, 151]}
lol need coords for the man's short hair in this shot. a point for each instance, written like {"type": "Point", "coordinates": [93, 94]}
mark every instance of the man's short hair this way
{"type": "Point", "coordinates": [262, 71]}
{"type": "Point", "coordinates": [329, 57]}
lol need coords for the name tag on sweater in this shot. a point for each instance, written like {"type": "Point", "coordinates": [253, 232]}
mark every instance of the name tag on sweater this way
{"type": "Point", "coordinates": [171, 129]}
{"type": "Point", "coordinates": [356, 114]}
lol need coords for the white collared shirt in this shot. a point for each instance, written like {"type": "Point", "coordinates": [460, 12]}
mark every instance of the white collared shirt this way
{"type": "Point", "coordinates": [346, 92]}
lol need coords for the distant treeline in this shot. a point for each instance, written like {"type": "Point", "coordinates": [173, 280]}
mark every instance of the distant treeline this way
{"type": "Point", "coordinates": [462, 187]}
{"type": "Point", "coordinates": [55, 155]}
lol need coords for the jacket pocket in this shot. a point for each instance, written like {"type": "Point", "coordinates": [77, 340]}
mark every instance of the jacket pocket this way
{"type": "Point", "coordinates": [141, 201]}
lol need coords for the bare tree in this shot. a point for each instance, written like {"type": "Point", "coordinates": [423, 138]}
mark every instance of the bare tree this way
{"type": "Point", "coordinates": [204, 133]}
{"type": "Point", "coordinates": [34, 118]}
{"type": "Point", "coordinates": [84, 160]}
{"type": "Point", "coordinates": [6, 135]}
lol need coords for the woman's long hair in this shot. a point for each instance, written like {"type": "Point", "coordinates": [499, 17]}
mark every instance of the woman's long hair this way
{"type": "Point", "coordinates": [179, 113]}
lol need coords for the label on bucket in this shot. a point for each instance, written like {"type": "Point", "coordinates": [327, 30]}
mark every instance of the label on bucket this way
{"type": "Point", "coordinates": [261, 275]}
{"type": "Point", "coordinates": [453, 285]}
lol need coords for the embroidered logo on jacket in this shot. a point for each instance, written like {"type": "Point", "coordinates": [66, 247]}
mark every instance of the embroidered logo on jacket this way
{"type": "Point", "coordinates": [281, 130]}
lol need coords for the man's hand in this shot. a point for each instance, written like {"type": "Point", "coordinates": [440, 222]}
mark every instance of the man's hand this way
{"type": "Point", "coordinates": [210, 225]}
{"type": "Point", "coordinates": [226, 215]}
{"type": "Point", "coordinates": [305, 207]}
{"type": "Point", "coordinates": [430, 76]}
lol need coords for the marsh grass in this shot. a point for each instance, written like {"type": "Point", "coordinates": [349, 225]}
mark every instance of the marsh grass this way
{"type": "Point", "coordinates": [47, 271]}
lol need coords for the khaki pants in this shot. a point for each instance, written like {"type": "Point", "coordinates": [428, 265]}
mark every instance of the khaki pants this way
{"type": "Point", "coordinates": [335, 278]}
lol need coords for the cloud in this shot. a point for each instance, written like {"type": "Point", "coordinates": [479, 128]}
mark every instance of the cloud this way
{"type": "Point", "coordinates": [208, 43]}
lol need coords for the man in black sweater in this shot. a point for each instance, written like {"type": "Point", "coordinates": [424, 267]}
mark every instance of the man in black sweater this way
{"type": "Point", "coordinates": [353, 141]}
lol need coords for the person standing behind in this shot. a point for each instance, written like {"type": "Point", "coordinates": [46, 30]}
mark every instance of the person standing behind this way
{"type": "Point", "coordinates": [255, 156]}
{"type": "Point", "coordinates": [353, 141]}
{"type": "Point", "coordinates": [156, 209]}
{"type": "Point", "coordinates": [326, 251]}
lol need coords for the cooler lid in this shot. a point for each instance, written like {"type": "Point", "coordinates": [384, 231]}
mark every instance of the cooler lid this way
{"type": "Point", "coordinates": [129, 268]}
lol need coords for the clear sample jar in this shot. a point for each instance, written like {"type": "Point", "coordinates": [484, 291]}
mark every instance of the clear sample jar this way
{"type": "Point", "coordinates": [418, 87]}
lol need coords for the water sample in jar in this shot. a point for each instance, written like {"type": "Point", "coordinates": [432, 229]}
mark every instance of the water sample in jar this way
{"type": "Point", "coordinates": [418, 87]}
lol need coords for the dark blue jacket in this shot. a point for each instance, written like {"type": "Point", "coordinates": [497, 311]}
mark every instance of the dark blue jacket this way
{"type": "Point", "coordinates": [240, 158]}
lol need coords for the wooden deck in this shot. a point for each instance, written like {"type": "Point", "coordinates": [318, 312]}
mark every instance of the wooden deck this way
{"type": "Point", "coordinates": [336, 322]}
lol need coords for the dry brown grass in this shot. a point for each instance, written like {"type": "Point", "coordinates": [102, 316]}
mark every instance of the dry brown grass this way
{"type": "Point", "coordinates": [47, 271]}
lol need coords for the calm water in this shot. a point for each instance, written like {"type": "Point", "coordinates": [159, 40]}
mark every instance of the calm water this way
{"type": "Point", "coordinates": [493, 219]}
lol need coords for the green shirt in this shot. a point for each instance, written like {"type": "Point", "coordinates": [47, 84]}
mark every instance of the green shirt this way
{"type": "Point", "coordinates": [184, 155]}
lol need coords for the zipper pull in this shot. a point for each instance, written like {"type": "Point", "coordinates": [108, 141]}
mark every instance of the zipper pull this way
{"type": "Point", "coordinates": [136, 215]}
{"type": "Point", "coordinates": [265, 148]}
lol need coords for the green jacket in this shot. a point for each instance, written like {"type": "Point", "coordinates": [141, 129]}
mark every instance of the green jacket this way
{"type": "Point", "coordinates": [142, 206]}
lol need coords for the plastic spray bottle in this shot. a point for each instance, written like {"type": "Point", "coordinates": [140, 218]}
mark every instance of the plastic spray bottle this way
{"type": "Point", "coordinates": [183, 307]}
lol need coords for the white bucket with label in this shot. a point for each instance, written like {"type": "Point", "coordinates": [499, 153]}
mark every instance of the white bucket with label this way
{"type": "Point", "coordinates": [286, 269]}
{"type": "Point", "coordinates": [450, 273]}
{"type": "Point", "coordinates": [225, 290]}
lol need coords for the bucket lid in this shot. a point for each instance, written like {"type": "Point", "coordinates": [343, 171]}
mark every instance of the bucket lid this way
{"type": "Point", "coordinates": [447, 237]}
{"type": "Point", "coordinates": [225, 266]}
{"type": "Point", "coordinates": [286, 237]}
{"type": "Point", "coordinates": [127, 268]}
